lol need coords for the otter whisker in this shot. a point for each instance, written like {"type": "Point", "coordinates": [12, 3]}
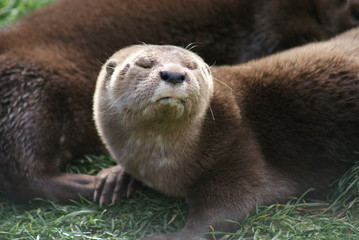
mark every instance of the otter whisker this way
{"type": "Point", "coordinates": [192, 45]}
{"type": "Point", "coordinates": [223, 83]}
{"type": "Point", "coordinates": [203, 99]}
{"type": "Point", "coordinates": [212, 113]}
{"type": "Point", "coordinates": [111, 106]}
{"type": "Point", "coordinates": [99, 61]}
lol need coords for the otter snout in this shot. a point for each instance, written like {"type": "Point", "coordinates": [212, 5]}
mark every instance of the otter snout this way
{"type": "Point", "coordinates": [173, 77]}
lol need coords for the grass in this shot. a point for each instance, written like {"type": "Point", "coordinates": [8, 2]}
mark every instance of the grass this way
{"type": "Point", "coordinates": [148, 211]}
{"type": "Point", "coordinates": [11, 10]}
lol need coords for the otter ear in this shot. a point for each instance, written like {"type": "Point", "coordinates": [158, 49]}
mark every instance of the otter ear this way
{"type": "Point", "coordinates": [110, 68]}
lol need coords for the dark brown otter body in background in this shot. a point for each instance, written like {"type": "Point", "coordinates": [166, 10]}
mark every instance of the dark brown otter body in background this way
{"type": "Point", "coordinates": [49, 62]}
{"type": "Point", "coordinates": [273, 128]}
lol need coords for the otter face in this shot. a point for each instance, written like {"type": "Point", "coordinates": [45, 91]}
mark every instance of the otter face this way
{"type": "Point", "coordinates": [156, 85]}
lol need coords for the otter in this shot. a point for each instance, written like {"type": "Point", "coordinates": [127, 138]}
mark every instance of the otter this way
{"type": "Point", "coordinates": [50, 59]}
{"type": "Point", "coordinates": [247, 135]}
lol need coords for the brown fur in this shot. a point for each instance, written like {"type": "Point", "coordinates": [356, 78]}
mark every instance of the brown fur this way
{"type": "Point", "coordinates": [274, 127]}
{"type": "Point", "coordinates": [338, 15]}
{"type": "Point", "coordinates": [50, 59]}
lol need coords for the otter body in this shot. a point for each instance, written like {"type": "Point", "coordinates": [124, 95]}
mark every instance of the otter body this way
{"type": "Point", "coordinates": [50, 60]}
{"type": "Point", "coordinates": [253, 134]}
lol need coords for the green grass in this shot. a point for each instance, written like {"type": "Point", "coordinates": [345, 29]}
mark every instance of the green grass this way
{"type": "Point", "coordinates": [148, 211]}
{"type": "Point", "coordinates": [13, 9]}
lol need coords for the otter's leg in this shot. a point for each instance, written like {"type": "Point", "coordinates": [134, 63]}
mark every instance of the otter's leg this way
{"type": "Point", "coordinates": [63, 187]}
{"type": "Point", "coordinates": [33, 175]}
{"type": "Point", "coordinates": [45, 121]}
{"type": "Point", "coordinates": [113, 184]}
{"type": "Point", "coordinates": [216, 201]}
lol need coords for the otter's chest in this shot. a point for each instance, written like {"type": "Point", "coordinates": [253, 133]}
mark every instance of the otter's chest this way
{"type": "Point", "coordinates": [155, 163]}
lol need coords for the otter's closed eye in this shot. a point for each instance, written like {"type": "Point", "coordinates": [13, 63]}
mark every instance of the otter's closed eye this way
{"type": "Point", "coordinates": [191, 65]}
{"type": "Point", "coordinates": [110, 67]}
{"type": "Point", "coordinates": [144, 63]}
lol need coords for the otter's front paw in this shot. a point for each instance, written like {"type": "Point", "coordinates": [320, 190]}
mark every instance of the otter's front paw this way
{"type": "Point", "coordinates": [113, 184]}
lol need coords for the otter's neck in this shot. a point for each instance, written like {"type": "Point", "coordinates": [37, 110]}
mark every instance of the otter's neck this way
{"type": "Point", "coordinates": [162, 158]}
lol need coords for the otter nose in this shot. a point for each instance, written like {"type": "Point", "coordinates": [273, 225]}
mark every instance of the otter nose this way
{"type": "Point", "coordinates": [173, 77]}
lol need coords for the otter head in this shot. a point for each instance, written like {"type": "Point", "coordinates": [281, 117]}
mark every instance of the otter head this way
{"type": "Point", "coordinates": [153, 86]}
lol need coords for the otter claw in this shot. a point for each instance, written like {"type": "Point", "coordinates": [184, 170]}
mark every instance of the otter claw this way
{"type": "Point", "coordinates": [133, 185]}
{"type": "Point", "coordinates": [113, 184]}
